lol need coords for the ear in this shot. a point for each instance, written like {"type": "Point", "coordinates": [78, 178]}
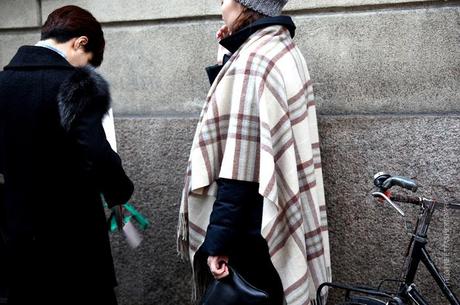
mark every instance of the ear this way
{"type": "Point", "coordinates": [80, 42]}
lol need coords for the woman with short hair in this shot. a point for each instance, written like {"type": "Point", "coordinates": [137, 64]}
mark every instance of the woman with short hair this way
{"type": "Point", "coordinates": [56, 163]}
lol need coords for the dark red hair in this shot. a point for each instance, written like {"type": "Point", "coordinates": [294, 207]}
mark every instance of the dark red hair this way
{"type": "Point", "coordinates": [246, 17]}
{"type": "Point", "coordinates": [72, 21]}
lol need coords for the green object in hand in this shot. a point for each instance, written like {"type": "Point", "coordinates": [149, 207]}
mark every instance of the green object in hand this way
{"type": "Point", "coordinates": [134, 214]}
{"type": "Point", "coordinates": [141, 220]}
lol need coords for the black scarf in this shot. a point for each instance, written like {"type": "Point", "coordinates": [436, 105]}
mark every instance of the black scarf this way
{"type": "Point", "coordinates": [234, 41]}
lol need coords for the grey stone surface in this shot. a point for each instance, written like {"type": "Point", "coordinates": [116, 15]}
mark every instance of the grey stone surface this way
{"type": "Point", "coordinates": [367, 239]}
{"type": "Point", "coordinates": [213, 6]}
{"type": "Point", "coordinates": [390, 61]}
{"type": "Point", "coordinates": [10, 41]}
{"type": "Point", "coordinates": [159, 68]}
{"type": "Point", "coordinates": [19, 14]}
{"type": "Point", "coordinates": [399, 60]}
{"type": "Point", "coordinates": [154, 152]}
{"type": "Point", "coordinates": [122, 10]}
{"type": "Point", "coordinates": [119, 10]}
{"type": "Point", "coordinates": [315, 4]}
{"type": "Point", "coordinates": [384, 62]}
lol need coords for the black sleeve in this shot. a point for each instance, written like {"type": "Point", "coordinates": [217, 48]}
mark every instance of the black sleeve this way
{"type": "Point", "coordinates": [99, 161]}
{"type": "Point", "coordinates": [228, 215]}
{"type": "Point", "coordinates": [2, 196]}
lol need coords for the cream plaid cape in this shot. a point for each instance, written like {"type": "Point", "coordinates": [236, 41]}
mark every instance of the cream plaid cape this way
{"type": "Point", "coordinates": [259, 124]}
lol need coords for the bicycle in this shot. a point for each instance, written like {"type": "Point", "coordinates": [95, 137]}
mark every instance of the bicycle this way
{"type": "Point", "coordinates": [407, 294]}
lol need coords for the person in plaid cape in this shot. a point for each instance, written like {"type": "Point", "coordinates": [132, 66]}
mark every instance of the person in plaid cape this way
{"type": "Point", "coordinates": [253, 196]}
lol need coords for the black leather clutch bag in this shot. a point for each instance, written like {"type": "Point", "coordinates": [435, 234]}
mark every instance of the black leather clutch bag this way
{"type": "Point", "coordinates": [233, 290]}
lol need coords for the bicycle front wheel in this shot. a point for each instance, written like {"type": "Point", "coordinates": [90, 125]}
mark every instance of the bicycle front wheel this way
{"type": "Point", "coordinates": [363, 300]}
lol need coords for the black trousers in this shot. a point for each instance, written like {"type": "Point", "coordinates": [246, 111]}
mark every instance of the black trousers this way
{"type": "Point", "coordinates": [56, 296]}
{"type": "Point", "coordinates": [30, 283]}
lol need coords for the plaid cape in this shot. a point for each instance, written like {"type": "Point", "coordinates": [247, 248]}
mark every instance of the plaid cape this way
{"type": "Point", "coordinates": [259, 124]}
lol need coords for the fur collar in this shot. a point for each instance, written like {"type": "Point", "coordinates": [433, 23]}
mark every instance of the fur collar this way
{"type": "Point", "coordinates": [84, 91]}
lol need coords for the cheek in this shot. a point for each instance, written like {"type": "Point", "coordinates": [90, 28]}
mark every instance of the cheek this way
{"type": "Point", "coordinates": [230, 13]}
{"type": "Point", "coordinates": [224, 10]}
{"type": "Point", "coordinates": [88, 59]}
{"type": "Point", "coordinates": [229, 8]}
{"type": "Point", "coordinates": [80, 59]}
{"type": "Point", "coordinates": [83, 58]}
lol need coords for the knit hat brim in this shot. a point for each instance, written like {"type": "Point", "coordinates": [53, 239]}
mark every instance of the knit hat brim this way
{"type": "Point", "coordinates": [265, 7]}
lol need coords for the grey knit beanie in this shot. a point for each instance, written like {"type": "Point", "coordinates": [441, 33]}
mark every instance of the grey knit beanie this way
{"type": "Point", "coordinates": [267, 7]}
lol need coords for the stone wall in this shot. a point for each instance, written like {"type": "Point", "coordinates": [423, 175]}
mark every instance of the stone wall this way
{"type": "Point", "coordinates": [387, 81]}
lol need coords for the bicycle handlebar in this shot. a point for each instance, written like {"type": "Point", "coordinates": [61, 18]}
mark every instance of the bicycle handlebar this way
{"type": "Point", "coordinates": [406, 199]}
{"type": "Point", "coordinates": [403, 182]}
{"type": "Point", "coordinates": [385, 181]}
{"type": "Point", "coordinates": [418, 201]}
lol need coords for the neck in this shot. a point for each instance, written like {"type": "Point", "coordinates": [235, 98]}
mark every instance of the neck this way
{"type": "Point", "coordinates": [63, 47]}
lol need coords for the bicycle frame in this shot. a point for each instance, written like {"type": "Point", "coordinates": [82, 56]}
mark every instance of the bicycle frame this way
{"type": "Point", "coordinates": [417, 253]}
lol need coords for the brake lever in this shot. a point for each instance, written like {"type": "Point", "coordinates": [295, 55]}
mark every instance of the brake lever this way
{"type": "Point", "coordinates": [394, 205]}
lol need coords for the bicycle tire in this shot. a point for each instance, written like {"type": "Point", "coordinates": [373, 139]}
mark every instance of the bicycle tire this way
{"type": "Point", "coordinates": [360, 303]}
{"type": "Point", "coordinates": [363, 300]}
{"type": "Point", "coordinates": [351, 303]}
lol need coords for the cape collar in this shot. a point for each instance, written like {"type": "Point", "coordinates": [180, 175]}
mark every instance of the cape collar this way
{"type": "Point", "coordinates": [234, 41]}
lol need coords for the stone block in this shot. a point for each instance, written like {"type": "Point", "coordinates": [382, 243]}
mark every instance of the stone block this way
{"type": "Point", "coordinates": [318, 4]}
{"type": "Point", "coordinates": [384, 62]}
{"type": "Point", "coordinates": [299, 5]}
{"type": "Point", "coordinates": [122, 10]}
{"type": "Point", "coordinates": [19, 14]}
{"type": "Point", "coordinates": [368, 239]}
{"type": "Point", "coordinates": [154, 153]}
{"type": "Point", "coordinates": [134, 10]}
{"type": "Point", "coordinates": [12, 40]}
{"type": "Point", "coordinates": [159, 68]}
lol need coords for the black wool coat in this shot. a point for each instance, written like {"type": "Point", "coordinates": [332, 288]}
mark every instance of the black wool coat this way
{"type": "Point", "coordinates": [56, 163]}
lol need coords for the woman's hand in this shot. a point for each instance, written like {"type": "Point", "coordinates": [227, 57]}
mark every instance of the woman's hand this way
{"type": "Point", "coordinates": [222, 32]}
{"type": "Point", "coordinates": [218, 266]}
